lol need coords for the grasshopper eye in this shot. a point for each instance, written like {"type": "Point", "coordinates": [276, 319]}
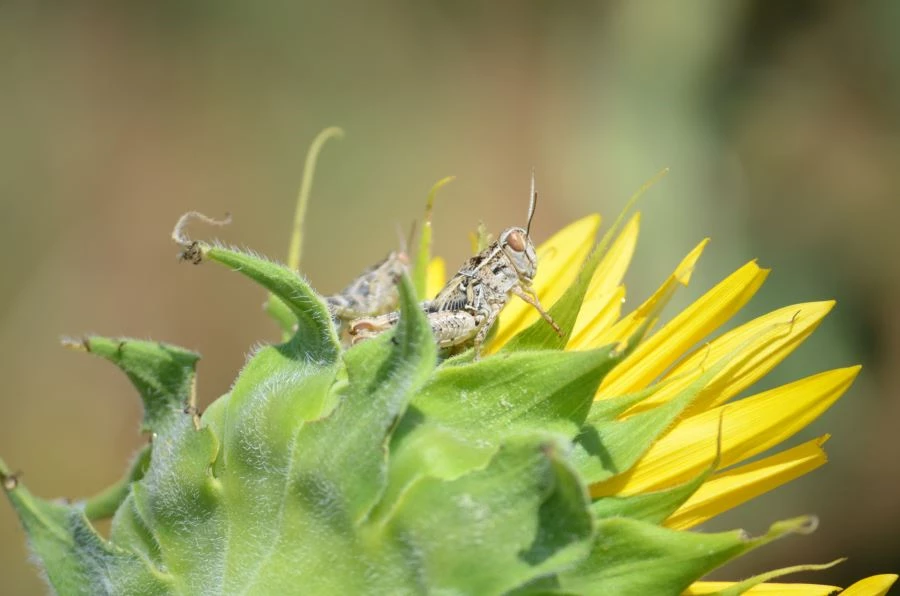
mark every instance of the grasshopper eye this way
{"type": "Point", "coordinates": [516, 241]}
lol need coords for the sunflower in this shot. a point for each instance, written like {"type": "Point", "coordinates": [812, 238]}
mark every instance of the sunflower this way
{"type": "Point", "coordinates": [557, 464]}
{"type": "Point", "coordinates": [675, 356]}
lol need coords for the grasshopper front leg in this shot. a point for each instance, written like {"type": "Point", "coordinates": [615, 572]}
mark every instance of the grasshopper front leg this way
{"type": "Point", "coordinates": [488, 316]}
{"type": "Point", "coordinates": [528, 295]}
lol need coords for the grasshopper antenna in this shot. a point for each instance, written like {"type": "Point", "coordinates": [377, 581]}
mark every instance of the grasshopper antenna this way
{"type": "Point", "coordinates": [532, 205]}
{"type": "Point", "coordinates": [406, 242]}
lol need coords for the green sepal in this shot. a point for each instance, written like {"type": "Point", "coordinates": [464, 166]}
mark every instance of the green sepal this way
{"type": "Point", "coordinates": [492, 530]}
{"type": "Point", "coordinates": [475, 406]}
{"type": "Point", "coordinates": [215, 415]}
{"type": "Point", "coordinates": [282, 315]}
{"type": "Point", "coordinates": [130, 532]}
{"type": "Point", "coordinates": [302, 452]}
{"type": "Point", "coordinates": [350, 448]}
{"type": "Point", "coordinates": [610, 446]}
{"type": "Point", "coordinates": [163, 374]}
{"type": "Point", "coordinates": [516, 390]}
{"type": "Point", "coordinates": [752, 582]}
{"type": "Point", "coordinates": [179, 501]}
{"type": "Point", "coordinates": [654, 507]}
{"type": "Point", "coordinates": [459, 419]}
{"type": "Point", "coordinates": [609, 409]}
{"type": "Point", "coordinates": [632, 557]}
{"type": "Point", "coordinates": [420, 449]}
{"type": "Point", "coordinates": [314, 336]}
{"type": "Point", "coordinates": [258, 423]}
{"type": "Point", "coordinates": [75, 559]}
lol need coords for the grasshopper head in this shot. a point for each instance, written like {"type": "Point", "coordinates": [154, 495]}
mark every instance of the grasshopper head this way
{"type": "Point", "coordinates": [519, 249]}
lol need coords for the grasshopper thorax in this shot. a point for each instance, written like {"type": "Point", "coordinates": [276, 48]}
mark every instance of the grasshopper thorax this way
{"type": "Point", "coordinates": [518, 248]}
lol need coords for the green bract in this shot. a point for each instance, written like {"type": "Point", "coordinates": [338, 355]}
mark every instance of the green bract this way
{"type": "Point", "coordinates": [378, 469]}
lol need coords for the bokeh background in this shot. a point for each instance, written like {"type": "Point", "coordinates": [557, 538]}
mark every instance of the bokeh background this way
{"type": "Point", "coordinates": [779, 121]}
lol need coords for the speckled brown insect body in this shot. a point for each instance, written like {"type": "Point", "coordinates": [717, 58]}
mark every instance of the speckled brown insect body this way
{"type": "Point", "coordinates": [465, 309]}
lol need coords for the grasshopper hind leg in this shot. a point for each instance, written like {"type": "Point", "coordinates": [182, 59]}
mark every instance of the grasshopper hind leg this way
{"type": "Point", "coordinates": [452, 328]}
{"type": "Point", "coordinates": [368, 327]}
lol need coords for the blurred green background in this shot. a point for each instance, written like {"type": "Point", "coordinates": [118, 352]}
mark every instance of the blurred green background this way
{"type": "Point", "coordinates": [780, 123]}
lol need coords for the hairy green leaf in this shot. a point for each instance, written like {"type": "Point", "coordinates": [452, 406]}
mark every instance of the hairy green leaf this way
{"type": "Point", "coordinates": [516, 390]}
{"type": "Point", "coordinates": [314, 337]}
{"type": "Point", "coordinates": [609, 446]}
{"type": "Point", "coordinates": [74, 557]}
{"type": "Point", "coordinates": [163, 375]}
{"type": "Point", "coordinates": [492, 530]}
{"type": "Point", "coordinates": [458, 420]}
{"type": "Point", "coordinates": [652, 507]}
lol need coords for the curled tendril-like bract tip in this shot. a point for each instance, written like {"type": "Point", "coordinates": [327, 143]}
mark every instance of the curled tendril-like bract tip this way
{"type": "Point", "coordinates": [191, 250]}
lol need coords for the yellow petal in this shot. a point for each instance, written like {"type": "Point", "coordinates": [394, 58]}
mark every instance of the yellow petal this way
{"type": "Point", "coordinates": [755, 349]}
{"type": "Point", "coordinates": [698, 588]}
{"type": "Point", "coordinates": [729, 489]}
{"type": "Point", "coordinates": [559, 261]}
{"type": "Point", "coordinates": [877, 585]}
{"type": "Point", "coordinates": [694, 323]}
{"type": "Point", "coordinates": [435, 277]}
{"type": "Point", "coordinates": [749, 426]}
{"type": "Point", "coordinates": [601, 313]}
{"type": "Point", "coordinates": [604, 282]}
{"type": "Point", "coordinates": [650, 309]}
{"type": "Point", "coordinates": [612, 267]}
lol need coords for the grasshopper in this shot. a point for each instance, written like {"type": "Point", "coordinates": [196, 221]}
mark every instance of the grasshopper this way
{"type": "Point", "coordinates": [466, 308]}
{"type": "Point", "coordinates": [373, 293]}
